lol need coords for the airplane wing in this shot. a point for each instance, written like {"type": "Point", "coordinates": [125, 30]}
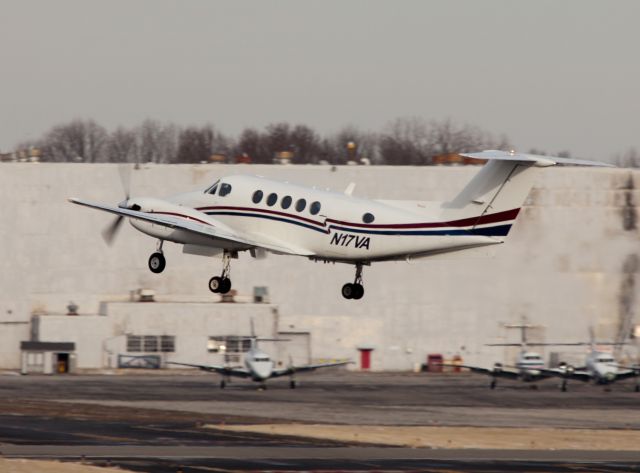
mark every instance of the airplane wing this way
{"type": "Point", "coordinates": [498, 373]}
{"type": "Point", "coordinates": [224, 370]}
{"type": "Point", "coordinates": [565, 373]}
{"type": "Point", "coordinates": [300, 369]}
{"type": "Point", "coordinates": [625, 372]}
{"type": "Point", "coordinates": [203, 228]}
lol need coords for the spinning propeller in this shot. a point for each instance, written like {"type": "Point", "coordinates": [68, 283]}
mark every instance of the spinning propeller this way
{"type": "Point", "coordinates": [110, 232]}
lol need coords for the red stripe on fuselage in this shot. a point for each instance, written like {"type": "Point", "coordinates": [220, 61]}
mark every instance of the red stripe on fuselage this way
{"type": "Point", "coordinates": [465, 222]}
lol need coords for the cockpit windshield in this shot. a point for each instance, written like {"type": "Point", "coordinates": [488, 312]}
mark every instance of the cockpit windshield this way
{"type": "Point", "coordinates": [212, 189]}
{"type": "Point", "coordinates": [261, 358]}
{"type": "Point", "coordinates": [605, 359]}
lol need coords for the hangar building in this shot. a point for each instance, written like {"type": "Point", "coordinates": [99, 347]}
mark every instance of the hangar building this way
{"type": "Point", "coordinates": [571, 261]}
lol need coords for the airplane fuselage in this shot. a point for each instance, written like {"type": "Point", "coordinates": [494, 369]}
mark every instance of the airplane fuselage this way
{"type": "Point", "coordinates": [323, 225]}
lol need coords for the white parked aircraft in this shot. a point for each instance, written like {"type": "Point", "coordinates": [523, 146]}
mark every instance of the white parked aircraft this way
{"type": "Point", "coordinates": [529, 366]}
{"type": "Point", "coordinates": [600, 368]}
{"type": "Point", "coordinates": [246, 213]}
{"type": "Point", "coordinates": [259, 367]}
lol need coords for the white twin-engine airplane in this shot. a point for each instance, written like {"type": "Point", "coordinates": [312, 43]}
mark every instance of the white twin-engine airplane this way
{"type": "Point", "coordinates": [259, 367]}
{"type": "Point", "coordinates": [245, 213]}
{"type": "Point", "coordinates": [529, 366]}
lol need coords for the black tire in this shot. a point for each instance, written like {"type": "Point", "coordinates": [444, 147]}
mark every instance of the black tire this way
{"type": "Point", "coordinates": [637, 389]}
{"type": "Point", "coordinates": [563, 388]}
{"type": "Point", "coordinates": [223, 384]}
{"type": "Point", "coordinates": [225, 286]}
{"type": "Point", "coordinates": [292, 384]}
{"type": "Point", "coordinates": [358, 291]}
{"type": "Point", "coordinates": [157, 263]}
{"type": "Point", "coordinates": [493, 384]}
{"type": "Point", "coordinates": [215, 283]}
{"type": "Point", "coordinates": [347, 291]}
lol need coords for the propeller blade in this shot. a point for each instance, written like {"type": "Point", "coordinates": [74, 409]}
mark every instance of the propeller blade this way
{"type": "Point", "coordinates": [125, 179]}
{"type": "Point", "coordinates": [111, 231]}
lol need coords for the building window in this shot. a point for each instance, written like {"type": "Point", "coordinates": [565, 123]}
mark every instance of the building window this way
{"type": "Point", "coordinates": [167, 343]}
{"type": "Point", "coordinates": [314, 208]}
{"type": "Point", "coordinates": [134, 343]}
{"type": "Point", "coordinates": [286, 202]}
{"type": "Point", "coordinates": [300, 205]}
{"type": "Point", "coordinates": [225, 189]}
{"type": "Point", "coordinates": [272, 199]}
{"type": "Point", "coordinates": [229, 344]}
{"type": "Point", "coordinates": [257, 197]}
{"type": "Point", "coordinates": [368, 218]}
{"type": "Point", "coordinates": [151, 343]}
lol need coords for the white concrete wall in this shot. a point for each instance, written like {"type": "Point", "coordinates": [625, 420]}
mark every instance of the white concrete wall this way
{"type": "Point", "coordinates": [568, 263]}
{"type": "Point", "coordinates": [100, 339]}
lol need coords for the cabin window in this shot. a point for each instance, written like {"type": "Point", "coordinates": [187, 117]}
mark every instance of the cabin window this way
{"type": "Point", "coordinates": [286, 202]}
{"type": "Point", "coordinates": [368, 218]}
{"type": "Point", "coordinates": [300, 205]}
{"type": "Point", "coordinates": [314, 208]}
{"type": "Point", "coordinates": [257, 197]}
{"type": "Point", "coordinates": [272, 199]}
{"type": "Point", "coordinates": [225, 189]}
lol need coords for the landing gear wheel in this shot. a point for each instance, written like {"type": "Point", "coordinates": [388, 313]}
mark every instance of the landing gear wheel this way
{"type": "Point", "coordinates": [493, 384]}
{"type": "Point", "coordinates": [157, 263]}
{"type": "Point", "coordinates": [563, 388]}
{"type": "Point", "coordinates": [348, 291]}
{"type": "Point", "coordinates": [223, 384]}
{"type": "Point", "coordinates": [215, 284]}
{"type": "Point", "coordinates": [637, 389]}
{"type": "Point", "coordinates": [225, 286]}
{"type": "Point", "coordinates": [358, 291]}
{"type": "Point", "coordinates": [292, 384]}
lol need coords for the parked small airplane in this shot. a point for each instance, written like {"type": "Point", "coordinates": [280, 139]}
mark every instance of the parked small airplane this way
{"type": "Point", "coordinates": [529, 366]}
{"type": "Point", "coordinates": [600, 367]}
{"type": "Point", "coordinates": [259, 367]}
{"type": "Point", "coordinates": [245, 213]}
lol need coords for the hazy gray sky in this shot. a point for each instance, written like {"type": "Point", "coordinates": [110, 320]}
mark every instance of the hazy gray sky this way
{"type": "Point", "coordinates": [548, 73]}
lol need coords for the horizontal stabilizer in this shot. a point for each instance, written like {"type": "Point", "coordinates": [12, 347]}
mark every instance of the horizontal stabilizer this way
{"type": "Point", "coordinates": [537, 160]}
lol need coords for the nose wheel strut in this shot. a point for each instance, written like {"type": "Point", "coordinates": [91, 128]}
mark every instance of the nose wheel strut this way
{"type": "Point", "coordinates": [354, 290]}
{"type": "Point", "coordinates": [222, 284]}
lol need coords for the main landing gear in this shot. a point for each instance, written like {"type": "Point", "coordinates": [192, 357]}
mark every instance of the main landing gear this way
{"type": "Point", "coordinates": [157, 262]}
{"type": "Point", "coordinates": [222, 284]}
{"type": "Point", "coordinates": [354, 290]}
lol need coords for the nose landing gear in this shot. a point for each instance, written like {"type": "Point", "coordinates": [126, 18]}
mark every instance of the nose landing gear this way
{"type": "Point", "coordinates": [157, 261]}
{"type": "Point", "coordinates": [222, 284]}
{"type": "Point", "coordinates": [354, 290]}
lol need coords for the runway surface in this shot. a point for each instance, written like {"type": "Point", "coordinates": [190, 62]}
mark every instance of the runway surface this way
{"type": "Point", "coordinates": [156, 423]}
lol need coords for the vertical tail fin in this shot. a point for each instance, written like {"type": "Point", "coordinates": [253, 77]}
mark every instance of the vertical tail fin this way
{"type": "Point", "coordinates": [491, 201]}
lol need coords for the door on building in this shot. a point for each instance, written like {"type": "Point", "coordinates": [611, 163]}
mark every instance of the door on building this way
{"type": "Point", "coordinates": [365, 358]}
{"type": "Point", "coordinates": [296, 349]}
{"type": "Point", "coordinates": [62, 363]}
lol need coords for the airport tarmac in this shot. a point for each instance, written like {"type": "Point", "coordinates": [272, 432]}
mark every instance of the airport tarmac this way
{"type": "Point", "coordinates": [176, 420]}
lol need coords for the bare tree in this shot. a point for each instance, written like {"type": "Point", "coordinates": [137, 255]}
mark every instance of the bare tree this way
{"type": "Point", "coordinates": [629, 159]}
{"type": "Point", "coordinates": [157, 142]}
{"type": "Point", "coordinates": [407, 141]}
{"type": "Point", "coordinates": [122, 146]}
{"type": "Point", "coordinates": [252, 144]}
{"type": "Point", "coordinates": [198, 144]}
{"type": "Point", "coordinates": [78, 140]}
{"type": "Point", "coordinates": [305, 144]}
